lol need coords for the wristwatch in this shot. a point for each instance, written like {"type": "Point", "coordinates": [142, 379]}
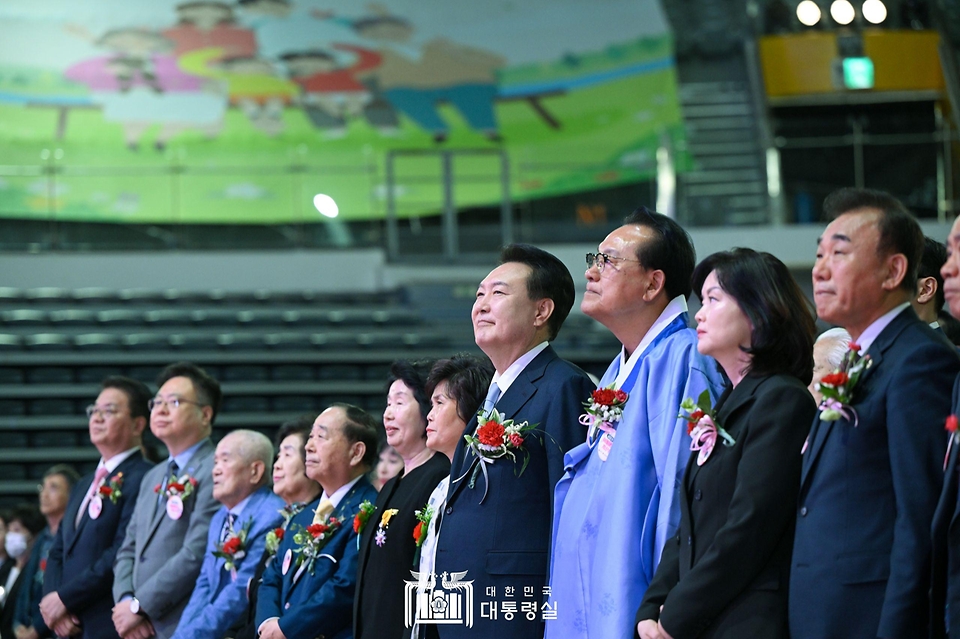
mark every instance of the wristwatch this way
{"type": "Point", "coordinates": [135, 606]}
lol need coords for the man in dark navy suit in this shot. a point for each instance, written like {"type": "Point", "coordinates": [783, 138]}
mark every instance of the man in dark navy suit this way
{"type": "Point", "coordinates": [945, 598]}
{"type": "Point", "coordinates": [871, 476]}
{"type": "Point", "coordinates": [77, 585]}
{"type": "Point", "coordinates": [314, 598]}
{"type": "Point", "coordinates": [497, 520]}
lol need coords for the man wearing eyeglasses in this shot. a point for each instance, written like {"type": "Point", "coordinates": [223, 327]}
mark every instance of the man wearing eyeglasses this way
{"type": "Point", "coordinates": [78, 582]}
{"type": "Point", "coordinates": [158, 564]}
{"type": "Point", "coordinates": [616, 506]}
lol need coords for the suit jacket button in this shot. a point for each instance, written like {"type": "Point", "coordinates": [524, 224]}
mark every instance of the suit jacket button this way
{"type": "Point", "coordinates": [690, 541]}
{"type": "Point", "coordinates": [286, 606]}
{"type": "Point", "coordinates": [448, 510]}
{"type": "Point", "coordinates": [803, 511]}
{"type": "Point", "coordinates": [698, 495]}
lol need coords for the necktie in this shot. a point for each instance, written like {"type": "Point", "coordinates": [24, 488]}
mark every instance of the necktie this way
{"type": "Point", "coordinates": [227, 526]}
{"type": "Point", "coordinates": [94, 487]}
{"type": "Point", "coordinates": [324, 509]}
{"type": "Point", "coordinates": [172, 471]}
{"type": "Point", "coordinates": [491, 400]}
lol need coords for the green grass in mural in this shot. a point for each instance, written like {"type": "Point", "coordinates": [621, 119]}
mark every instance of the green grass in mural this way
{"type": "Point", "coordinates": [608, 136]}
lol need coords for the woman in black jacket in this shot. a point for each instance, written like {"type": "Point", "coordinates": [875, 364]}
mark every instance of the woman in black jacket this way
{"type": "Point", "coordinates": [727, 572]}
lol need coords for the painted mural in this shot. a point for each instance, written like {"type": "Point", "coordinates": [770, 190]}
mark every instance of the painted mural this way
{"type": "Point", "coordinates": [161, 111]}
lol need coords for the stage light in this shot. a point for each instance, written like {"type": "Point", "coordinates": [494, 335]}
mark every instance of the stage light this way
{"type": "Point", "coordinates": [874, 11]}
{"type": "Point", "coordinates": [808, 13]}
{"type": "Point", "coordinates": [842, 12]}
{"type": "Point", "coordinates": [325, 205]}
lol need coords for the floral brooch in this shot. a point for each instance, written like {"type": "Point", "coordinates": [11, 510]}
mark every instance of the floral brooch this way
{"type": "Point", "coordinates": [176, 491]}
{"type": "Point", "coordinates": [495, 438]}
{"type": "Point", "coordinates": [837, 387]}
{"type": "Point", "coordinates": [381, 536]}
{"type": "Point", "coordinates": [703, 427]}
{"type": "Point", "coordinates": [233, 549]}
{"type": "Point", "coordinates": [604, 412]}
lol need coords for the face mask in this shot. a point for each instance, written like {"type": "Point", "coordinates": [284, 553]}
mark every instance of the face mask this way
{"type": "Point", "coordinates": [16, 544]}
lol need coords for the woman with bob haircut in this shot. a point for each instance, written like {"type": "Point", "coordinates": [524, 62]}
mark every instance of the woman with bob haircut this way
{"type": "Point", "coordinates": [727, 574]}
{"type": "Point", "coordinates": [387, 544]}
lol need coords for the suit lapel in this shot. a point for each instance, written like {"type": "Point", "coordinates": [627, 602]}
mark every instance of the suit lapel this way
{"type": "Point", "coordinates": [820, 431]}
{"type": "Point", "coordinates": [193, 465]}
{"type": "Point", "coordinates": [364, 550]}
{"type": "Point", "coordinates": [729, 402]}
{"type": "Point", "coordinates": [71, 532]}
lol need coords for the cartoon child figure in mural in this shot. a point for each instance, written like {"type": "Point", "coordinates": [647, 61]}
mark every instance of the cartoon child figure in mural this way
{"type": "Point", "coordinates": [185, 76]}
{"type": "Point", "coordinates": [445, 71]}
{"type": "Point", "coordinates": [140, 84]}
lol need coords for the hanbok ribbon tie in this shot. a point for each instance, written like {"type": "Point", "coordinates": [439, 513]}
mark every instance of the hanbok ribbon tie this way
{"type": "Point", "coordinates": [596, 425]}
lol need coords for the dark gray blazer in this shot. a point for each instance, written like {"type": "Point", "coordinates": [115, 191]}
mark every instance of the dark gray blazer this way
{"type": "Point", "coordinates": [161, 557]}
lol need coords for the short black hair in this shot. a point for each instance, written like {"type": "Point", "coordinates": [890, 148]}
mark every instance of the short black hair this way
{"type": "Point", "coordinates": [138, 395]}
{"type": "Point", "coordinates": [671, 251]}
{"type": "Point", "coordinates": [206, 387]}
{"type": "Point", "coordinates": [413, 374]}
{"type": "Point", "coordinates": [549, 279]}
{"type": "Point", "coordinates": [361, 426]}
{"type": "Point", "coordinates": [899, 230]}
{"type": "Point", "coordinates": [66, 471]}
{"type": "Point", "coordinates": [30, 516]}
{"type": "Point", "coordinates": [301, 426]}
{"type": "Point", "coordinates": [311, 53]}
{"type": "Point", "coordinates": [933, 258]}
{"type": "Point", "coordinates": [467, 378]}
{"type": "Point", "coordinates": [782, 320]}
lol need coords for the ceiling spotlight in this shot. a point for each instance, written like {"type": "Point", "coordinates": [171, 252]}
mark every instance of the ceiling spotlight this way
{"type": "Point", "coordinates": [842, 12]}
{"type": "Point", "coordinates": [325, 205]}
{"type": "Point", "coordinates": [874, 11]}
{"type": "Point", "coordinates": [808, 12]}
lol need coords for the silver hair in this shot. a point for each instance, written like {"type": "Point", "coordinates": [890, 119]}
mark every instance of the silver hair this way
{"type": "Point", "coordinates": [254, 446]}
{"type": "Point", "coordinates": [840, 338]}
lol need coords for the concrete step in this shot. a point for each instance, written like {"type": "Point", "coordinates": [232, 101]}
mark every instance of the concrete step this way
{"type": "Point", "coordinates": [721, 176]}
{"type": "Point", "coordinates": [730, 188]}
{"type": "Point", "coordinates": [721, 148]}
{"type": "Point", "coordinates": [717, 110]}
{"type": "Point", "coordinates": [742, 161]}
{"type": "Point", "coordinates": [713, 124]}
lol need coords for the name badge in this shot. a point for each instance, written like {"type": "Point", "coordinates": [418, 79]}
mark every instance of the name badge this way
{"type": "Point", "coordinates": [175, 507]}
{"type": "Point", "coordinates": [95, 507]}
{"type": "Point", "coordinates": [604, 446]}
{"type": "Point", "coordinates": [287, 559]}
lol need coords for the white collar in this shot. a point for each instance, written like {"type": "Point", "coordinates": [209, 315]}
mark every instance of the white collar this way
{"type": "Point", "coordinates": [671, 311]}
{"type": "Point", "coordinates": [870, 334]}
{"type": "Point", "coordinates": [340, 493]}
{"type": "Point", "coordinates": [112, 463]}
{"type": "Point", "coordinates": [505, 379]}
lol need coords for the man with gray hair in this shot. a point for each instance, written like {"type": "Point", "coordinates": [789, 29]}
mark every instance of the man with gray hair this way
{"type": "Point", "coordinates": [237, 537]}
{"type": "Point", "coordinates": [828, 352]}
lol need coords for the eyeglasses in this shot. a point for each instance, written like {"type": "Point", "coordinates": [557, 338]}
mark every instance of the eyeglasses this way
{"type": "Point", "coordinates": [602, 259]}
{"type": "Point", "coordinates": [105, 413]}
{"type": "Point", "coordinates": [173, 403]}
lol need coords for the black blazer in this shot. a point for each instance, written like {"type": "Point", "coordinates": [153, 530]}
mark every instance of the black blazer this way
{"type": "Point", "coordinates": [378, 607]}
{"type": "Point", "coordinates": [80, 564]}
{"type": "Point", "coordinates": [726, 575]}
{"type": "Point", "coordinates": [505, 540]}
{"type": "Point", "coordinates": [868, 491]}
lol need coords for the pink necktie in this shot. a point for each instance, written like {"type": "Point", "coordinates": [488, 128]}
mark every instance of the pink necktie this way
{"type": "Point", "coordinates": [94, 487]}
